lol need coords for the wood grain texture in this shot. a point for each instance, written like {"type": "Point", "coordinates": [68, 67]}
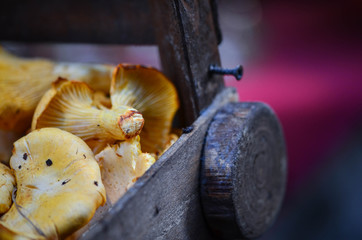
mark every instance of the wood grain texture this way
{"type": "Point", "coordinates": [243, 171]}
{"type": "Point", "coordinates": [188, 44]}
{"type": "Point", "coordinates": [87, 21]}
{"type": "Point", "coordinates": [165, 202]}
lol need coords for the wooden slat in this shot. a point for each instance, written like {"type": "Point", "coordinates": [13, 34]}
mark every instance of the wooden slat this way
{"type": "Point", "coordinates": [187, 43]}
{"type": "Point", "coordinates": [87, 21]}
{"type": "Point", "coordinates": [165, 202]}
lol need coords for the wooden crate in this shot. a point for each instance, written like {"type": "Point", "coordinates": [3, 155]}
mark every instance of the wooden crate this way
{"type": "Point", "coordinates": [225, 176]}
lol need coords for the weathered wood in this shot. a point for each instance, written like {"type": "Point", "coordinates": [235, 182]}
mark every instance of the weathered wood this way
{"type": "Point", "coordinates": [188, 44]}
{"type": "Point", "coordinates": [88, 21]}
{"type": "Point", "coordinates": [165, 202]}
{"type": "Point", "coordinates": [243, 173]}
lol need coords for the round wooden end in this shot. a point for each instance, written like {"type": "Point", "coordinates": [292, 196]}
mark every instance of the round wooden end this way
{"type": "Point", "coordinates": [243, 173]}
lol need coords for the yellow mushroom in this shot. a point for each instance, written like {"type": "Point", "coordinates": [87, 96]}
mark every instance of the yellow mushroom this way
{"type": "Point", "coordinates": [24, 81]}
{"type": "Point", "coordinates": [151, 93]}
{"type": "Point", "coordinates": [133, 87]}
{"type": "Point", "coordinates": [121, 165]}
{"type": "Point", "coordinates": [70, 106]}
{"type": "Point", "coordinates": [59, 186]}
{"type": "Point", "coordinates": [7, 183]}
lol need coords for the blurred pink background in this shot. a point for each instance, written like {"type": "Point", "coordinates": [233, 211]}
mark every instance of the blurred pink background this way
{"type": "Point", "coordinates": [304, 59]}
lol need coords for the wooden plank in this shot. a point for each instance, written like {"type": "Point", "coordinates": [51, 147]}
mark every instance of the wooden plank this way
{"type": "Point", "coordinates": [188, 44]}
{"type": "Point", "coordinates": [165, 202]}
{"type": "Point", "coordinates": [87, 21]}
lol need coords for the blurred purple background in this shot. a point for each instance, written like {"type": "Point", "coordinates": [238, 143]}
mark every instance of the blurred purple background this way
{"type": "Point", "coordinates": [304, 59]}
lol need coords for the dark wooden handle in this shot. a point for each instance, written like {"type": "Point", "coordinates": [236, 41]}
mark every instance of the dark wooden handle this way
{"type": "Point", "coordinates": [243, 173]}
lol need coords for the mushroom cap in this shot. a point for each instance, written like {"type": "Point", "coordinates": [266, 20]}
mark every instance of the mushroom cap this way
{"type": "Point", "coordinates": [121, 165]}
{"type": "Point", "coordinates": [24, 81]}
{"type": "Point", "coordinates": [7, 183]}
{"type": "Point", "coordinates": [151, 93]}
{"type": "Point", "coordinates": [59, 185]}
{"type": "Point", "coordinates": [70, 105]}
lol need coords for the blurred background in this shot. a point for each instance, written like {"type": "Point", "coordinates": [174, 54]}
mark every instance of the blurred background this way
{"type": "Point", "coordinates": [304, 59]}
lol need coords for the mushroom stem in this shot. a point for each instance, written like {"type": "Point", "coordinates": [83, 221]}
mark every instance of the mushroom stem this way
{"type": "Point", "coordinates": [92, 124]}
{"type": "Point", "coordinates": [121, 123]}
{"type": "Point", "coordinates": [70, 106]}
{"type": "Point", "coordinates": [151, 93]}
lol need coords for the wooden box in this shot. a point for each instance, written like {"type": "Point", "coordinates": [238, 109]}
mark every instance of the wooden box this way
{"type": "Point", "coordinates": [225, 176]}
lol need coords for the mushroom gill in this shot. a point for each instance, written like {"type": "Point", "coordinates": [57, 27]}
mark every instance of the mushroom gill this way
{"type": "Point", "coordinates": [151, 93]}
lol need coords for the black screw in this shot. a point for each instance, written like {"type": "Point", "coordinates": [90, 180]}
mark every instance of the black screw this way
{"type": "Point", "coordinates": [236, 72]}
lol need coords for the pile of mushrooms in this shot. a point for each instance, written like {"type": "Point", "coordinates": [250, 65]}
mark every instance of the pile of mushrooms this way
{"type": "Point", "coordinates": [24, 81]}
{"type": "Point", "coordinates": [78, 136]}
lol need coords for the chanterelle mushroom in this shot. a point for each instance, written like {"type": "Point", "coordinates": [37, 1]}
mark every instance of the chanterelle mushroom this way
{"type": "Point", "coordinates": [24, 81]}
{"type": "Point", "coordinates": [59, 186]}
{"type": "Point", "coordinates": [70, 106]}
{"type": "Point", "coordinates": [151, 93]}
{"type": "Point", "coordinates": [121, 164]}
{"type": "Point", "coordinates": [7, 183]}
{"type": "Point", "coordinates": [143, 88]}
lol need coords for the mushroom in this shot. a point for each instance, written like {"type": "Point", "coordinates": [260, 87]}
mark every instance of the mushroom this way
{"type": "Point", "coordinates": [151, 93]}
{"type": "Point", "coordinates": [133, 86]}
{"type": "Point", "coordinates": [59, 186]}
{"type": "Point", "coordinates": [24, 81]}
{"type": "Point", "coordinates": [7, 183]}
{"type": "Point", "coordinates": [70, 105]}
{"type": "Point", "coordinates": [121, 165]}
